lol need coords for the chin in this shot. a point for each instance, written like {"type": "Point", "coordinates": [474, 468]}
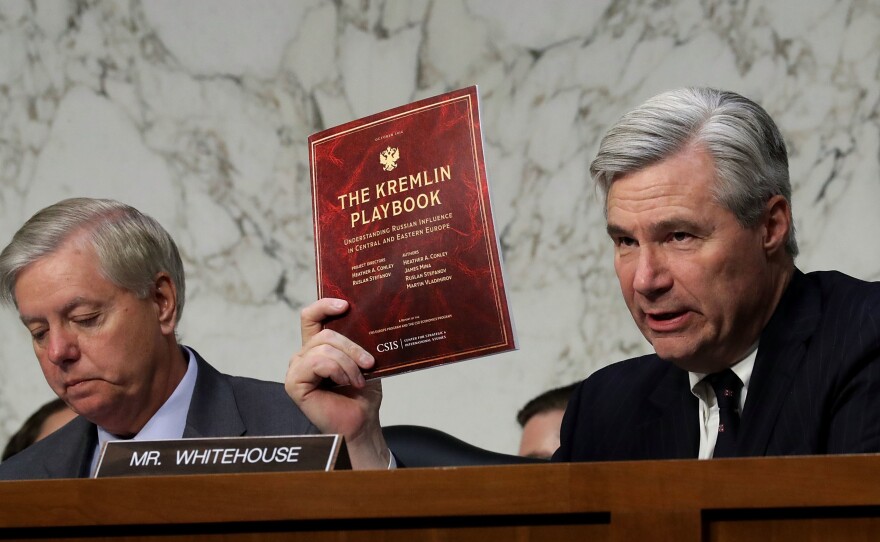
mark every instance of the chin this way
{"type": "Point", "coordinates": [680, 361]}
{"type": "Point", "coordinates": [680, 357]}
{"type": "Point", "coordinates": [93, 411]}
{"type": "Point", "coordinates": [694, 364]}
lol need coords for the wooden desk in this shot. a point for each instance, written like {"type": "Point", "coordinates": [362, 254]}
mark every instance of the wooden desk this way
{"type": "Point", "coordinates": [767, 499]}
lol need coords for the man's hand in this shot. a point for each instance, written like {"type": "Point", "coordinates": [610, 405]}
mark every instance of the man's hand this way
{"type": "Point", "coordinates": [352, 407]}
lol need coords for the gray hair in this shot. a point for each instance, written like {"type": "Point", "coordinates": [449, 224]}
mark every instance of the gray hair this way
{"type": "Point", "coordinates": [132, 248]}
{"type": "Point", "coordinates": [751, 162]}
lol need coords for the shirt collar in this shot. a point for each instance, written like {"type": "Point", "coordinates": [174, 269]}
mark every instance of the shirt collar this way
{"type": "Point", "coordinates": [169, 421]}
{"type": "Point", "coordinates": [742, 368]}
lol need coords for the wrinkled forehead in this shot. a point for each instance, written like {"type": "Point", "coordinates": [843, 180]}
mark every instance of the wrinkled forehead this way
{"type": "Point", "coordinates": [690, 173]}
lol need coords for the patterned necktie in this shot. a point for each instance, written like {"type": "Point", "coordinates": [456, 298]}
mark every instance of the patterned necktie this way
{"type": "Point", "coordinates": [727, 387]}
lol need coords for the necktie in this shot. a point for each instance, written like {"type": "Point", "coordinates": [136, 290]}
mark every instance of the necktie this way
{"type": "Point", "coordinates": [727, 387]}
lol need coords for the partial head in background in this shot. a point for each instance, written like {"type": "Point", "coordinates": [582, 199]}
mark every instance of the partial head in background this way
{"type": "Point", "coordinates": [100, 287]}
{"type": "Point", "coordinates": [698, 205]}
{"type": "Point", "coordinates": [42, 423]}
{"type": "Point", "coordinates": [541, 419]}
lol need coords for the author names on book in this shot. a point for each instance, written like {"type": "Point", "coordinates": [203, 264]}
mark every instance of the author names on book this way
{"type": "Point", "coordinates": [416, 267]}
{"type": "Point", "coordinates": [421, 270]}
{"type": "Point", "coordinates": [371, 271]}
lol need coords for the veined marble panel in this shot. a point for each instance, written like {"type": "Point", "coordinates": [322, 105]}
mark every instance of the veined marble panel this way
{"type": "Point", "coordinates": [197, 112]}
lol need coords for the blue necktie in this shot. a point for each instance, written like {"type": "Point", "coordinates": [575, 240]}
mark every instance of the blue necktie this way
{"type": "Point", "coordinates": [727, 387]}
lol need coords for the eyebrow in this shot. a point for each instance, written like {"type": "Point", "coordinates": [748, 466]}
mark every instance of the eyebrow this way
{"type": "Point", "coordinates": [66, 309]}
{"type": "Point", "coordinates": [616, 231]}
{"type": "Point", "coordinates": [672, 224]}
{"type": "Point", "coordinates": [676, 224]}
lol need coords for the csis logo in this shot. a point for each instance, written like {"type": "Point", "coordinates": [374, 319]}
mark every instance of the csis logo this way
{"type": "Point", "coordinates": [387, 347]}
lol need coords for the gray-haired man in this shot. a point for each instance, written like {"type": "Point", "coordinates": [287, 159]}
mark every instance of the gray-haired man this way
{"type": "Point", "coordinates": [100, 287]}
{"type": "Point", "coordinates": [698, 208]}
{"type": "Point", "coordinates": [753, 357]}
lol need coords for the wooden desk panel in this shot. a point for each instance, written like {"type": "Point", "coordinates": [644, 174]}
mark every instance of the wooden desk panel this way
{"type": "Point", "coordinates": [802, 498]}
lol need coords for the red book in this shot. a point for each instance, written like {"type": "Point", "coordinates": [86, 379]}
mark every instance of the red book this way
{"type": "Point", "coordinates": [404, 233]}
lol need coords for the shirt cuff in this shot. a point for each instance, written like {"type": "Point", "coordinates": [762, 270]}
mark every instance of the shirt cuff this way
{"type": "Point", "coordinates": [392, 462]}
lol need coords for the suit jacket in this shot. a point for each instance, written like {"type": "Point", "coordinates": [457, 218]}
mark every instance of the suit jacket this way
{"type": "Point", "coordinates": [222, 406]}
{"type": "Point", "coordinates": [815, 387]}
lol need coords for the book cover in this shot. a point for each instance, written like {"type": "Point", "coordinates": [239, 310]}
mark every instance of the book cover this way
{"type": "Point", "coordinates": [404, 233]}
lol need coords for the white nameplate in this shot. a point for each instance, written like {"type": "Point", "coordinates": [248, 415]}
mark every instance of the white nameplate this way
{"type": "Point", "coordinates": [222, 455]}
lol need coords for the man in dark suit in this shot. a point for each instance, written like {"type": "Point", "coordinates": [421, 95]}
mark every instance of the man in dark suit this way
{"type": "Point", "coordinates": [752, 357]}
{"type": "Point", "coordinates": [221, 406]}
{"type": "Point", "coordinates": [100, 287]}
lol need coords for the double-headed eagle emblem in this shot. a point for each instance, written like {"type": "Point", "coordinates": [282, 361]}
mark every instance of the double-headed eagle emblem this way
{"type": "Point", "coordinates": [389, 157]}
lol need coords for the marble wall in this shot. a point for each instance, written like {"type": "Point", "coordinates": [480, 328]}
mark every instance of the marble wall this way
{"type": "Point", "coordinates": [197, 112]}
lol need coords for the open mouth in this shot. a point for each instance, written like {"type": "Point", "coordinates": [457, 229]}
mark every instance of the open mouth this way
{"type": "Point", "coordinates": [666, 321]}
{"type": "Point", "coordinates": [664, 316]}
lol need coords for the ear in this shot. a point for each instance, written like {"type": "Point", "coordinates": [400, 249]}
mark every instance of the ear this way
{"type": "Point", "coordinates": [777, 225]}
{"type": "Point", "coordinates": [165, 297]}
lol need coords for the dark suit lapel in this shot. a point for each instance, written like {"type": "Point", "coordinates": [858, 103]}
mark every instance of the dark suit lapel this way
{"type": "Point", "coordinates": [670, 431]}
{"type": "Point", "coordinates": [213, 411]}
{"type": "Point", "coordinates": [781, 351]}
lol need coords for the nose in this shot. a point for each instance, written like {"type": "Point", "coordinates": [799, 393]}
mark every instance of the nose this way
{"type": "Point", "coordinates": [652, 277]}
{"type": "Point", "coordinates": [62, 347]}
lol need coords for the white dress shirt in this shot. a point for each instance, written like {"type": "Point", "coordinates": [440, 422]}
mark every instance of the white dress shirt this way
{"type": "Point", "coordinates": [708, 414]}
{"type": "Point", "coordinates": [169, 421]}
